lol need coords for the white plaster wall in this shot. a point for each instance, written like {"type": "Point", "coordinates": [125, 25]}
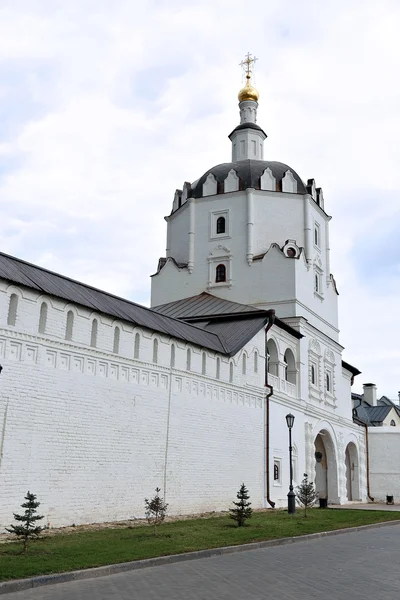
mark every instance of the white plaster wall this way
{"type": "Point", "coordinates": [384, 457]}
{"type": "Point", "coordinates": [86, 429]}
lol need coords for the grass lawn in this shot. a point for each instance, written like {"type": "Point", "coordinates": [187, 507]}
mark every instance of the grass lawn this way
{"type": "Point", "coordinates": [61, 552]}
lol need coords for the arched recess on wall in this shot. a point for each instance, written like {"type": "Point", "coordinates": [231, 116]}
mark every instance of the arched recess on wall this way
{"type": "Point", "coordinates": [188, 359]}
{"type": "Point", "coordinates": [290, 366]}
{"type": "Point", "coordinates": [255, 361]}
{"type": "Point", "coordinates": [203, 363]}
{"type": "Point", "coordinates": [244, 363]}
{"type": "Point", "coordinates": [155, 351]}
{"type": "Point", "coordinates": [218, 368]}
{"type": "Point", "coordinates": [12, 310]}
{"type": "Point", "coordinates": [352, 472]}
{"type": "Point", "coordinates": [93, 334]}
{"type": "Point", "coordinates": [117, 337]}
{"type": "Point", "coordinates": [231, 372]}
{"type": "Point", "coordinates": [172, 359]}
{"type": "Point", "coordinates": [136, 350]}
{"type": "Point", "coordinates": [326, 464]}
{"type": "Point", "coordinates": [69, 327]}
{"type": "Point", "coordinates": [272, 357]}
{"type": "Point", "coordinates": [43, 317]}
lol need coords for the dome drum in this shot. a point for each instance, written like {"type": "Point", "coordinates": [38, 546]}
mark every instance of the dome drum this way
{"type": "Point", "coordinates": [250, 173]}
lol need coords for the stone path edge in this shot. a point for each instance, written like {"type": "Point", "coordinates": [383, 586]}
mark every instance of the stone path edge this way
{"type": "Point", "coordinates": [17, 585]}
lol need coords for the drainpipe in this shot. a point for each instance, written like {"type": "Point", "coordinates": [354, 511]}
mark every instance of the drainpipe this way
{"type": "Point", "coordinates": [367, 457]}
{"type": "Point", "coordinates": [366, 448]}
{"type": "Point", "coordinates": [270, 391]}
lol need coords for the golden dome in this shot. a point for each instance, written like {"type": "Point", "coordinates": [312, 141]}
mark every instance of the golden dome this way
{"type": "Point", "coordinates": [248, 92]}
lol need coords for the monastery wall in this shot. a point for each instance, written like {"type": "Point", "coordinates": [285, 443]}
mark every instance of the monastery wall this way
{"type": "Point", "coordinates": [93, 432]}
{"type": "Point", "coordinates": [384, 451]}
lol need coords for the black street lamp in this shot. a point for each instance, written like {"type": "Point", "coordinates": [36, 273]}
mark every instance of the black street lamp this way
{"type": "Point", "coordinates": [291, 495]}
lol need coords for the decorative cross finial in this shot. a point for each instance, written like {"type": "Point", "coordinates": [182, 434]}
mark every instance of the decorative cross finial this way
{"type": "Point", "coordinates": [246, 64]}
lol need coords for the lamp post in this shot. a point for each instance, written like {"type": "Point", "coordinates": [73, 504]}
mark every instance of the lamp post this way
{"type": "Point", "coordinates": [291, 495]}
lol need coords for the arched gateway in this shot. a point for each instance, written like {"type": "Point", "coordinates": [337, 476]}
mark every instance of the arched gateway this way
{"type": "Point", "coordinates": [326, 473]}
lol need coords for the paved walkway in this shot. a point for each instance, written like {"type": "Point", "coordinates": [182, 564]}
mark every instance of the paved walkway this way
{"type": "Point", "coordinates": [359, 565]}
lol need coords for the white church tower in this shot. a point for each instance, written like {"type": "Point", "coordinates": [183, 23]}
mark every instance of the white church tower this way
{"type": "Point", "coordinates": [251, 231]}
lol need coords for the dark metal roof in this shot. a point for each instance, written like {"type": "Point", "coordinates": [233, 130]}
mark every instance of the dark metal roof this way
{"type": "Point", "coordinates": [350, 368]}
{"type": "Point", "coordinates": [205, 306]}
{"type": "Point", "coordinates": [376, 414]}
{"type": "Point", "coordinates": [22, 273]}
{"type": "Point", "coordinates": [249, 173]}
{"type": "Point", "coordinates": [247, 126]}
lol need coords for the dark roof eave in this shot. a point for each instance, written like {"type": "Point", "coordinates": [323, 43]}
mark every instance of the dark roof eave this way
{"type": "Point", "coordinates": [353, 370]}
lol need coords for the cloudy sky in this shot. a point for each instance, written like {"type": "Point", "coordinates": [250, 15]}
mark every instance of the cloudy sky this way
{"type": "Point", "coordinates": [107, 106]}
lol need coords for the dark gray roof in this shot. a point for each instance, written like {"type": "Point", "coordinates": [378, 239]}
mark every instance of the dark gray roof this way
{"type": "Point", "coordinates": [22, 273]}
{"type": "Point", "coordinates": [205, 307]}
{"type": "Point", "coordinates": [248, 126]}
{"type": "Point", "coordinates": [249, 173]}
{"type": "Point", "coordinates": [377, 414]}
{"type": "Point", "coordinates": [350, 368]}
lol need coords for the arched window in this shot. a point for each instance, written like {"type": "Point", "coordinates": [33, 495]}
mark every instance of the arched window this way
{"type": "Point", "coordinates": [393, 423]}
{"type": "Point", "coordinates": [272, 358]}
{"type": "Point", "coordinates": [155, 351]}
{"type": "Point", "coordinates": [220, 274]}
{"type": "Point", "coordinates": [188, 359]}
{"type": "Point", "coordinates": [116, 340]}
{"type": "Point", "coordinates": [231, 372]}
{"type": "Point", "coordinates": [244, 364]}
{"type": "Point", "coordinates": [12, 310]}
{"type": "Point", "coordinates": [70, 325]}
{"type": "Point", "coordinates": [256, 362]}
{"type": "Point", "coordinates": [43, 318]}
{"type": "Point", "coordinates": [290, 366]}
{"type": "Point", "coordinates": [221, 225]}
{"type": "Point", "coordinates": [203, 363]}
{"type": "Point", "coordinates": [172, 361]}
{"type": "Point", "coordinates": [136, 351]}
{"type": "Point", "coordinates": [328, 382]}
{"type": "Point", "coordinates": [313, 374]}
{"type": "Point", "coordinates": [316, 283]}
{"type": "Point", "coordinates": [93, 336]}
{"type": "Point", "coordinates": [218, 368]}
{"type": "Point", "coordinates": [276, 472]}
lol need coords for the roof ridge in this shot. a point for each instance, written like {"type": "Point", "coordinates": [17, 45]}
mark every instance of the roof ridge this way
{"type": "Point", "coordinates": [91, 287]}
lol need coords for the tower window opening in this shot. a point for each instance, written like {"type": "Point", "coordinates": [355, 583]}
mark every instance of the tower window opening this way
{"type": "Point", "coordinates": [313, 374]}
{"type": "Point", "coordinates": [392, 423]}
{"type": "Point", "coordinates": [328, 382]}
{"type": "Point", "coordinates": [316, 284]}
{"type": "Point", "coordinates": [221, 225]}
{"type": "Point", "coordinates": [220, 274]}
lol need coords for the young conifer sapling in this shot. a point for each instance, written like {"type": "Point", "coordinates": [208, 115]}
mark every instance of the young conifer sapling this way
{"type": "Point", "coordinates": [306, 494]}
{"type": "Point", "coordinates": [28, 528]}
{"type": "Point", "coordinates": [242, 510]}
{"type": "Point", "coordinates": [156, 510]}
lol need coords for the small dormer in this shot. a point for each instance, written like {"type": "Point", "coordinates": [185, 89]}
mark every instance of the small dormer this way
{"type": "Point", "coordinates": [231, 183]}
{"type": "Point", "coordinates": [289, 183]}
{"type": "Point", "coordinates": [210, 185]}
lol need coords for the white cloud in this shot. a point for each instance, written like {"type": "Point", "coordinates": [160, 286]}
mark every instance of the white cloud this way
{"type": "Point", "coordinates": [125, 101]}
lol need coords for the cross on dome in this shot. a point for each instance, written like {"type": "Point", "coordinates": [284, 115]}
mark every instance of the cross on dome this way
{"type": "Point", "coordinates": [248, 92]}
{"type": "Point", "coordinates": [246, 64]}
